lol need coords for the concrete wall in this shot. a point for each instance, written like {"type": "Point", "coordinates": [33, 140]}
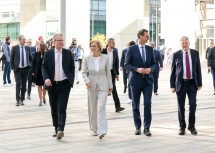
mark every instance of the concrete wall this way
{"type": "Point", "coordinates": [78, 22]}
{"type": "Point", "coordinates": [33, 18]}
{"type": "Point", "coordinates": [124, 19]}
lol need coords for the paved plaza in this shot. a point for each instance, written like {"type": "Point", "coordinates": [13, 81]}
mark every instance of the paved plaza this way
{"type": "Point", "coordinates": [28, 129]}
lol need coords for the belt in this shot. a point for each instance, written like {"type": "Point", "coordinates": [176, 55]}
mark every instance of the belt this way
{"type": "Point", "coordinates": [188, 79]}
{"type": "Point", "coordinates": [60, 82]}
{"type": "Point", "coordinates": [76, 60]}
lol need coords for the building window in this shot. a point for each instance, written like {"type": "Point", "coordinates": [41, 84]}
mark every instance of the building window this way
{"type": "Point", "coordinates": [5, 14]}
{"type": "Point", "coordinates": [9, 29]}
{"type": "Point", "coordinates": [97, 17]}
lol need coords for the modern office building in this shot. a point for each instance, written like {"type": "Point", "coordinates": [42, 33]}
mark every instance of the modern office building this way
{"type": "Point", "coordinates": [166, 20]}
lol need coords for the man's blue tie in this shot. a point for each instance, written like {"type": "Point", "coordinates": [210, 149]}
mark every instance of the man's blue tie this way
{"type": "Point", "coordinates": [22, 57]}
{"type": "Point", "coordinates": [143, 55]}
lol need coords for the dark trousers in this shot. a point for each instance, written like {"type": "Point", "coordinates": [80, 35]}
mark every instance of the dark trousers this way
{"type": "Point", "coordinates": [6, 75]}
{"type": "Point", "coordinates": [213, 75]}
{"type": "Point", "coordinates": [146, 89]}
{"type": "Point", "coordinates": [189, 88]}
{"type": "Point", "coordinates": [125, 77]}
{"type": "Point", "coordinates": [21, 76]}
{"type": "Point", "coordinates": [58, 99]}
{"type": "Point", "coordinates": [156, 76]}
{"type": "Point", "coordinates": [80, 64]}
{"type": "Point", "coordinates": [129, 88]}
{"type": "Point", "coordinates": [30, 82]}
{"type": "Point", "coordinates": [114, 92]}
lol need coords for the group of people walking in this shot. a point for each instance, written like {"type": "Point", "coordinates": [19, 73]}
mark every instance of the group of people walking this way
{"type": "Point", "coordinates": [55, 69]}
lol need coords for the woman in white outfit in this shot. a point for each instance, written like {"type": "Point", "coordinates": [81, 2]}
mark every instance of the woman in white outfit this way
{"type": "Point", "coordinates": [97, 77]}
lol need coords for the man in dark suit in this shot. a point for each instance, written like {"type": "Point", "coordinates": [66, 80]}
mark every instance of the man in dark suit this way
{"type": "Point", "coordinates": [159, 67]}
{"type": "Point", "coordinates": [58, 73]}
{"type": "Point", "coordinates": [112, 53]}
{"type": "Point", "coordinates": [33, 51]}
{"type": "Point", "coordinates": [208, 50]}
{"type": "Point", "coordinates": [122, 68]}
{"type": "Point", "coordinates": [186, 78]}
{"type": "Point", "coordinates": [140, 62]}
{"type": "Point", "coordinates": [20, 62]}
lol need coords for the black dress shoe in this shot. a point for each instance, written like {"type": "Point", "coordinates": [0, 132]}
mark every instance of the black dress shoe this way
{"type": "Point", "coordinates": [54, 135]}
{"type": "Point", "coordinates": [193, 130]}
{"type": "Point", "coordinates": [21, 103]}
{"type": "Point", "coordinates": [181, 131]}
{"type": "Point", "coordinates": [147, 132]}
{"type": "Point", "coordinates": [125, 88]}
{"type": "Point", "coordinates": [119, 109]}
{"type": "Point", "coordinates": [17, 104]}
{"type": "Point", "coordinates": [138, 132]}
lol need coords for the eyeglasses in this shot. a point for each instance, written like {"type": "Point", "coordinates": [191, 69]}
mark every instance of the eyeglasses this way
{"type": "Point", "coordinates": [60, 40]}
{"type": "Point", "coordinates": [93, 46]}
{"type": "Point", "coordinates": [29, 42]}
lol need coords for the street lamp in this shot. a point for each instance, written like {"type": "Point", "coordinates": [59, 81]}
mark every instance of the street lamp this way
{"type": "Point", "coordinates": [93, 14]}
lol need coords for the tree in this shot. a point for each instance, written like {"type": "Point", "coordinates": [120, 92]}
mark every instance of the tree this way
{"type": "Point", "coordinates": [100, 37]}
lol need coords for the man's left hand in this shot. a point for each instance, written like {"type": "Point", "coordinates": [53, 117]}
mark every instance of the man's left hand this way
{"type": "Point", "coordinates": [199, 88]}
{"type": "Point", "coordinates": [117, 78]}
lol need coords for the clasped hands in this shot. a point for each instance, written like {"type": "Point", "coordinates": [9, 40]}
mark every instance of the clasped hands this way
{"type": "Point", "coordinates": [89, 85]}
{"type": "Point", "coordinates": [144, 70]}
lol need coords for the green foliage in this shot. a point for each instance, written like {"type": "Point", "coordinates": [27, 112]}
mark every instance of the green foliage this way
{"type": "Point", "coordinates": [100, 37]}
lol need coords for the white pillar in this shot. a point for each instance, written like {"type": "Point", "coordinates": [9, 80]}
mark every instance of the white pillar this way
{"type": "Point", "coordinates": [78, 22]}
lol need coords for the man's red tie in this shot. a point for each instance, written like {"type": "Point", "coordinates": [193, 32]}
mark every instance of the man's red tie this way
{"type": "Point", "coordinates": [187, 66]}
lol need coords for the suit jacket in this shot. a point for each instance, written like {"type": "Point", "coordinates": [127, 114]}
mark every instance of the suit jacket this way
{"type": "Point", "coordinates": [48, 65]}
{"type": "Point", "coordinates": [207, 52]}
{"type": "Point", "coordinates": [36, 65]}
{"type": "Point", "coordinates": [115, 60]}
{"type": "Point", "coordinates": [211, 58]}
{"type": "Point", "coordinates": [158, 60]}
{"type": "Point", "coordinates": [101, 79]}
{"type": "Point", "coordinates": [176, 77]}
{"type": "Point", "coordinates": [15, 57]}
{"type": "Point", "coordinates": [122, 61]}
{"type": "Point", "coordinates": [134, 60]}
{"type": "Point", "coordinates": [33, 51]}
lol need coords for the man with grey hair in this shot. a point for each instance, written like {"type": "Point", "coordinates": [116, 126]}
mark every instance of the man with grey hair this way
{"type": "Point", "coordinates": [58, 72]}
{"type": "Point", "coordinates": [112, 53]}
{"type": "Point", "coordinates": [186, 79]}
{"type": "Point", "coordinates": [159, 66]}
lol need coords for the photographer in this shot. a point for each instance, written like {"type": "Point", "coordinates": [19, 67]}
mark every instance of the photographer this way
{"type": "Point", "coordinates": [76, 54]}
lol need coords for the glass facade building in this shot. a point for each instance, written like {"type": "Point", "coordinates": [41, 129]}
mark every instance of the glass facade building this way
{"type": "Point", "coordinates": [155, 21]}
{"type": "Point", "coordinates": [97, 17]}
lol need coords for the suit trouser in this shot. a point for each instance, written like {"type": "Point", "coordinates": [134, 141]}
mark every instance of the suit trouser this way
{"type": "Point", "coordinates": [97, 111]}
{"type": "Point", "coordinates": [58, 99]}
{"type": "Point", "coordinates": [21, 76]}
{"type": "Point", "coordinates": [189, 88]}
{"type": "Point", "coordinates": [114, 92]}
{"type": "Point", "coordinates": [146, 89]}
{"type": "Point", "coordinates": [30, 82]}
{"type": "Point", "coordinates": [125, 77]}
{"type": "Point", "coordinates": [155, 76]}
{"type": "Point", "coordinates": [80, 64]}
{"type": "Point", "coordinates": [213, 75]}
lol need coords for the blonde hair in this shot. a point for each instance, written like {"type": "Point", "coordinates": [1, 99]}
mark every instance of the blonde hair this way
{"type": "Point", "coordinates": [98, 43]}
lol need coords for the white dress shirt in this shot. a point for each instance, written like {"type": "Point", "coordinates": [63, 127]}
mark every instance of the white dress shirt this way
{"type": "Point", "coordinates": [110, 55]}
{"type": "Point", "coordinates": [20, 55]}
{"type": "Point", "coordinates": [96, 63]}
{"type": "Point", "coordinates": [140, 48]}
{"type": "Point", "coordinates": [62, 74]}
{"type": "Point", "coordinates": [184, 64]}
